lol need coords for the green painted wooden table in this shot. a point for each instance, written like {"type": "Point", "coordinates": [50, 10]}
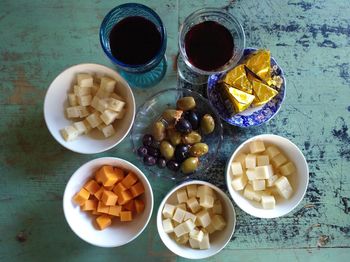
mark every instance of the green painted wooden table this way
{"type": "Point", "coordinates": [311, 41]}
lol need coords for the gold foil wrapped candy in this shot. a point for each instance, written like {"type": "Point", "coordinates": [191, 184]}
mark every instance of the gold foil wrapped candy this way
{"type": "Point", "coordinates": [263, 93]}
{"type": "Point", "coordinates": [237, 77]}
{"type": "Point", "coordinates": [260, 64]}
{"type": "Point", "coordinates": [234, 99]}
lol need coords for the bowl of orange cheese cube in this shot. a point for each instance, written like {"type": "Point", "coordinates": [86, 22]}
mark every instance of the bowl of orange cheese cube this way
{"type": "Point", "coordinates": [108, 202]}
{"type": "Point", "coordinates": [267, 176]}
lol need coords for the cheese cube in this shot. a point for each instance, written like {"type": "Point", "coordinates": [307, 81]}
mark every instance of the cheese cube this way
{"type": "Point", "coordinates": [283, 187]}
{"type": "Point", "coordinates": [268, 202]}
{"type": "Point", "coordinates": [80, 126]}
{"type": "Point", "coordinates": [205, 243]}
{"type": "Point", "coordinates": [92, 186]}
{"type": "Point", "coordinates": [129, 180]}
{"type": "Point", "coordinates": [250, 161]}
{"type": "Point", "coordinates": [108, 131]}
{"type": "Point", "coordinates": [116, 96]}
{"type": "Point", "coordinates": [263, 160]}
{"type": "Point", "coordinates": [251, 174]}
{"type": "Point", "coordinates": [130, 205]}
{"type": "Point", "coordinates": [203, 218]}
{"type": "Point", "coordinates": [118, 188]}
{"type": "Point", "coordinates": [204, 190]}
{"type": "Point", "coordinates": [94, 89]}
{"type": "Point", "coordinates": [256, 146]}
{"type": "Point", "coordinates": [263, 172]}
{"type": "Point", "coordinates": [114, 210]}
{"type": "Point", "coordinates": [287, 169]}
{"type": "Point", "coordinates": [81, 90]}
{"type": "Point", "coordinates": [191, 190]}
{"type": "Point", "coordinates": [189, 215]}
{"type": "Point", "coordinates": [193, 204]}
{"type": "Point", "coordinates": [197, 235]}
{"type": "Point", "coordinates": [108, 116]}
{"type": "Point", "coordinates": [236, 169]}
{"type": "Point", "coordinates": [206, 201]}
{"type": "Point", "coordinates": [218, 222]}
{"type": "Point", "coordinates": [81, 196]}
{"type": "Point", "coordinates": [194, 243]}
{"type": "Point", "coordinates": [210, 229]}
{"type": "Point", "coordinates": [103, 221]}
{"type": "Point", "coordinates": [72, 99]}
{"type": "Point", "coordinates": [168, 211]}
{"type": "Point", "coordinates": [239, 183]}
{"type": "Point", "coordinates": [181, 195]}
{"type": "Point", "coordinates": [121, 114]}
{"type": "Point", "coordinates": [102, 94]}
{"type": "Point", "coordinates": [182, 206]}
{"type": "Point", "coordinates": [182, 240]}
{"type": "Point", "coordinates": [102, 208]}
{"type": "Point", "coordinates": [83, 111]}
{"type": "Point", "coordinates": [179, 230]}
{"type": "Point", "coordinates": [84, 80]}
{"type": "Point", "coordinates": [98, 193]}
{"type": "Point", "coordinates": [90, 205]}
{"type": "Point", "coordinates": [107, 84]}
{"type": "Point", "coordinates": [168, 226]}
{"type": "Point", "coordinates": [124, 197]}
{"type": "Point", "coordinates": [250, 194]}
{"type": "Point", "coordinates": [179, 215]}
{"type": "Point", "coordinates": [115, 104]}
{"type": "Point", "coordinates": [188, 225]}
{"type": "Point", "coordinates": [271, 181]}
{"type": "Point", "coordinates": [139, 205]}
{"type": "Point", "coordinates": [106, 176]}
{"type": "Point", "coordinates": [119, 173]}
{"type": "Point", "coordinates": [72, 112]}
{"type": "Point", "coordinates": [241, 158]}
{"type": "Point", "coordinates": [84, 100]}
{"type": "Point", "coordinates": [217, 208]}
{"type": "Point", "coordinates": [278, 160]}
{"type": "Point", "coordinates": [87, 126]}
{"type": "Point", "coordinates": [69, 133]}
{"type": "Point", "coordinates": [94, 120]}
{"type": "Point", "coordinates": [109, 198]}
{"type": "Point", "coordinates": [258, 184]}
{"type": "Point", "coordinates": [272, 151]}
{"type": "Point", "coordinates": [125, 216]}
{"type": "Point", "coordinates": [137, 189]}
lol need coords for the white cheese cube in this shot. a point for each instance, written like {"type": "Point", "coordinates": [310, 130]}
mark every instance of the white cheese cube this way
{"type": "Point", "coordinates": [217, 208]}
{"type": "Point", "coordinates": [116, 96]}
{"type": "Point", "coordinates": [241, 158]}
{"type": "Point", "coordinates": [194, 243]}
{"type": "Point", "coordinates": [272, 151]}
{"type": "Point", "coordinates": [72, 112]}
{"type": "Point", "coordinates": [87, 126]}
{"type": "Point", "coordinates": [108, 131]}
{"type": "Point", "coordinates": [218, 222]}
{"type": "Point", "coordinates": [193, 204]}
{"type": "Point", "coordinates": [197, 235]}
{"type": "Point", "coordinates": [183, 239]}
{"type": "Point", "coordinates": [236, 169]}
{"type": "Point", "coordinates": [69, 133]}
{"type": "Point", "coordinates": [278, 160]}
{"type": "Point", "coordinates": [250, 194]}
{"type": "Point", "coordinates": [191, 190]}
{"type": "Point", "coordinates": [94, 120]}
{"type": "Point", "coordinates": [102, 94]}
{"type": "Point", "coordinates": [206, 201]}
{"type": "Point", "coordinates": [115, 105]}
{"type": "Point", "coordinates": [102, 105]}
{"type": "Point", "coordinates": [72, 99]}
{"type": "Point", "coordinates": [210, 229]}
{"type": "Point", "coordinates": [263, 172]}
{"type": "Point", "coordinates": [188, 225]}
{"type": "Point", "coordinates": [263, 160]}
{"type": "Point", "coordinates": [258, 184]}
{"type": "Point", "coordinates": [101, 126]}
{"type": "Point", "coordinates": [84, 100]}
{"type": "Point", "coordinates": [189, 215]}
{"type": "Point", "coordinates": [168, 226]}
{"type": "Point", "coordinates": [179, 215]}
{"type": "Point", "coordinates": [205, 243]}
{"type": "Point", "coordinates": [256, 146]}
{"type": "Point", "coordinates": [287, 169]}
{"type": "Point", "coordinates": [259, 194]}
{"type": "Point", "coordinates": [94, 89]}
{"type": "Point", "coordinates": [181, 195]}
{"type": "Point", "coordinates": [268, 202]}
{"type": "Point", "coordinates": [271, 181]}
{"type": "Point", "coordinates": [239, 183]}
{"type": "Point", "coordinates": [80, 126]}
{"type": "Point", "coordinates": [203, 218]}
{"type": "Point", "coordinates": [250, 161]}
{"type": "Point", "coordinates": [84, 80]}
{"type": "Point", "coordinates": [168, 210]}
{"type": "Point", "coordinates": [204, 190]}
{"type": "Point", "coordinates": [81, 91]}
{"type": "Point", "coordinates": [283, 187]}
{"type": "Point", "coordinates": [107, 84]}
{"type": "Point", "coordinates": [251, 174]}
{"type": "Point", "coordinates": [94, 102]}
{"type": "Point", "coordinates": [121, 114]}
{"type": "Point", "coordinates": [108, 116]}
{"type": "Point", "coordinates": [182, 206]}
{"type": "Point", "coordinates": [179, 230]}
{"type": "Point", "coordinates": [83, 111]}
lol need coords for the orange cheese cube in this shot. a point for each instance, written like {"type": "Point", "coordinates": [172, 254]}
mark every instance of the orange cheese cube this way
{"type": "Point", "coordinates": [106, 176]}
{"type": "Point", "coordinates": [109, 188]}
{"type": "Point", "coordinates": [124, 197]}
{"type": "Point", "coordinates": [81, 196]}
{"type": "Point", "coordinates": [90, 205]}
{"type": "Point", "coordinates": [103, 221]}
{"type": "Point", "coordinates": [125, 216]}
{"type": "Point", "coordinates": [130, 206]}
{"type": "Point", "coordinates": [119, 188]}
{"type": "Point", "coordinates": [115, 210]}
{"type": "Point", "coordinates": [137, 189]}
{"type": "Point", "coordinates": [129, 180]}
{"type": "Point", "coordinates": [102, 208]}
{"type": "Point", "coordinates": [119, 173]}
{"type": "Point", "coordinates": [99, 193]}
{"type": "Point", "coordinates": [109, 198]}
{"type": "Point", "coordinates": [139, 205]}
{"type": "Point", "coordinates": [92, 186]}
{"type": "Point", "coordinates": [94, 212]}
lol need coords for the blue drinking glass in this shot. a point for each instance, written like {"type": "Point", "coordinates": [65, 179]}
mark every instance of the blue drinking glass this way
{"type": "Point", "coordinates": [143, 75]}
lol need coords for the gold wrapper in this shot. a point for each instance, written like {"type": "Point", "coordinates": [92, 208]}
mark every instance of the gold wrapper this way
{"type": "Point", "coordinates": [260, 64]}
{"type": "Point", "coordinates": [237, 78]}
{"type": "Point", "coordinates": [235, 100]}
{"type": "Point", "coordinates": [263, 93]}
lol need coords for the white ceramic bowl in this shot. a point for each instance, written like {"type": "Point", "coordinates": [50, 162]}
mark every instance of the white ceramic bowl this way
{"type": "Point", "coordinates": [81, 222]}
{"type": "Point", "coordinates": [218, 240]}
{"type": "Point", "coordinates": [299, 181]}
{"type": "Point", "coordinates": [56, 102]}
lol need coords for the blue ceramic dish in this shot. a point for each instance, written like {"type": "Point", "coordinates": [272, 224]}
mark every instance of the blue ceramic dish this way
{"type": "Point", "coordinates": [253, 116]}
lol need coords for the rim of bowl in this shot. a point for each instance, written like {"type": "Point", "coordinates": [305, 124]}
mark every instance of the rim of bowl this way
{"type": "Point", "coordinates": [139, 173]}
{"type": "Point", "coordinates": [221, 135]}
{"type": "Point", "coordinates": [133, 109]}
{"type": "Point", "coordinates": [262, 136]}
{"type": "Point", "coordinates": [203, 11]}
{"type": "Point", "coordinates": [222, 194]}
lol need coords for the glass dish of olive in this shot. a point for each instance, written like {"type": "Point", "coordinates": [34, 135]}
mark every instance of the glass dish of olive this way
{"type": "Point", "coordinates": [176, 133]}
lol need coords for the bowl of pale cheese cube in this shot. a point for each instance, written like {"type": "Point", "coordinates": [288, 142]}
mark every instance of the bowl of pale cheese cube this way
{"type": "Point", "coordinates": [196, 220]}
{"type": "Point", "coordinates": [267, 176]}
{"type": "Point", "coordinates": [89, 108]}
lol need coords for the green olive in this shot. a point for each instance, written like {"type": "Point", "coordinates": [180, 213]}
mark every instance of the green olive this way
{"type": "Point", "coordinates": [166, 150]}
{"type": "Point", "coordinates": [186, 103]}
{"type": "Point", "coordinates": [207, 124]}
{"type": "Point", "coordinates": [199, 149]}
{"type": "Point", "coordinates": [191, 138]}
{"type": "Point", "coordinates": [174, 136]}
{"type": "Point", "coordinates": [170, 115]}
{"type": "Point", "coordinates": [189, 165]}
{"type": "Point", "coordinates": [158, 131]}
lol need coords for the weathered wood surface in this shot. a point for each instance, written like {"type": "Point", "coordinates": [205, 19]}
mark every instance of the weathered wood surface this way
{"type": "Point", "coordinates": [309, 39]}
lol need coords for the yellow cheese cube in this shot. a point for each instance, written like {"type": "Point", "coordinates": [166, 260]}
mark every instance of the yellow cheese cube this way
{"type": "Point", "coordinates": [287, 169]}
{"type": "Point", "coordinates": [103, 221]}
{"type": "Point", "coordinates": [278, 160]}
{"type": "Point", "coordinates": [92, 186]}
{"type": "Point", "coordinates": [256, 146]}
{"type": "Point", "coordinates": [90, 205]}
{"type": "Point", "coordinates": [109, 198]}
{"type": "Point", "coordinates": [81, 196]}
